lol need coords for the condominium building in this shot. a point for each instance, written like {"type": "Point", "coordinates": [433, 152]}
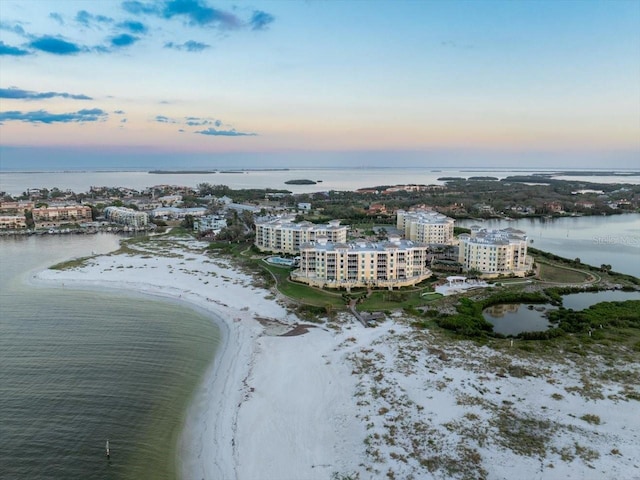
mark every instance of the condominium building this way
{"type": "Point", "coordinates": [426, 226]}
{"type": "Point", "coordinates": [396, 263]}
{"type": "Point", "coordinates": [210, 223]}
{"type": "Point", "coordinates": [13, 222]}
{"type": "Point", "coordinates": [282, 235]}
{"type": "Point", "coordinates": [15, 208]}
{"type": "Point", "coordinates": [45, 217]}
{"type": "Point", "coordinates": [126, 216]}
{"type": "Point", "coordinates": [495, 252]}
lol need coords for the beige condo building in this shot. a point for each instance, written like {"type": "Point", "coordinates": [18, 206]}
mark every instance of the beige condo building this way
{"type": "Point", "coordinates": [426, 226]}
{"type": "Point", "coordinates": [13, 222]}
{"type": "Point", "coordinates": [55, 216]}
{"type": "Point", "coordinates": [282, 235]}
{"type": "Point", "coordinates": [495, 252]}
{"type": "Point", "coordinates": [396, 263]}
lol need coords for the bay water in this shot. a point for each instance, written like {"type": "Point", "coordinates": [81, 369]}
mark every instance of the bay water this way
{"type": "Point", "coordinates": [340, 179]}
{"type": "Point", "coordinates": [80, 367]}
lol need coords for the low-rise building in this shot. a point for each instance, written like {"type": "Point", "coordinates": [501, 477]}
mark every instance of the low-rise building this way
{"type": "Point", "coordinates": [167, 213]}
{"type": "Point", "coordinates": [282, 235]}
{"type": "Point", "coordinates": [126, 216]}
{"type": "Point", "coordinates": [396, 263]}
{"type": "Point", "coordinates": [209, 223]}
{"type": "Point", "coordinates": [426, 226]}
{"type": "Point", "coordinates": [495, 252]}
{"type": "Point", "coordinates": [46, 217]}
{"type": "Point", "coordinates": [14, 208]}
{"type": "Point", "coordinates": [13, 222]}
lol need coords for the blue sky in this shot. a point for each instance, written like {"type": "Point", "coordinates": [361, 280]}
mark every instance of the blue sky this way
{"type": "Point", "coordinates": [470, 83]}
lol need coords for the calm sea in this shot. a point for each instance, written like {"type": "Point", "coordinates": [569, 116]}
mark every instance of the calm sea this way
{"type": "Point", "coordinates": [344, 179]}
{"type": "Point", "coordinates": [78, 367]}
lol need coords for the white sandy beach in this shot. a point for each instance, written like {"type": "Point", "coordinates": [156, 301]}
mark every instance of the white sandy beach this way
{"type": "Point", "coordinates": [384, 402]}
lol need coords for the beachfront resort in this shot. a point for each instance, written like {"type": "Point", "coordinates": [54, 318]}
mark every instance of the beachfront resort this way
{"type": "Point", "coordinates": [328, 259]}
{"type": "Point", "coordinates": [394, 263]}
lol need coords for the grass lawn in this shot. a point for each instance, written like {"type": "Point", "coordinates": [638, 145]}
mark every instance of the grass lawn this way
{"type": "Point", "coordinates": [303, 293]}
{"type": "Point", "coordinates": [390, 300]}
{"type": "Point", "coordinates": [556, 274]}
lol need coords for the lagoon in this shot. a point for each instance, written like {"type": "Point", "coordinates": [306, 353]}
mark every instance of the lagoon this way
{"type": "Point", "coordinates": [516, 318]}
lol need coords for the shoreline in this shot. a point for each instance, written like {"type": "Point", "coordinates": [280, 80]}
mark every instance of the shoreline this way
{"type": "Point", "coordinates": [342, 399]}
{"type": "Point", "coordinates": [221, 434]}
{"type": "Point", "coordinates": [211, 395]}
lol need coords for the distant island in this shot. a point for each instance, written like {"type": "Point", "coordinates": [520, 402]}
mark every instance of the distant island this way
{"type": "Point", "coordinates": [483, 178]}
{"type": "Point", "coordinates": [165, 172]}
{"type": "Point", "coordinates": [598, 173]}
{"type": "Point", "coordinates": [451, 179]}
{"type": "Point", "coordinates": [302, 181]}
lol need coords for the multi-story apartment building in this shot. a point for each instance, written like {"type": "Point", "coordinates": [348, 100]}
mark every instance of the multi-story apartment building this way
{"type": "Point", "coordinates": [210, 223]}
{"type": "Point", "coordinates": [126, 216]}
{"type": "Point", "coordinates": [426, 226]}
{"type": "Point", "coordinates": [13, 222]}
{"type": "Point", "coordinates": [282, 235]}
{"type": "Point", "coordinates": [15, 208]}
{"type": "Point", "coordinates": [495, 252]}
{"type": "Point", "coordinates": [396, 263]}
{"type": "Point", "coordinates": [45, 217]}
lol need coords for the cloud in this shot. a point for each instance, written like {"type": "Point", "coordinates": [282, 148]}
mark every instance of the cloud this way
{"type": "Point", "coordinates": [225, 133]}
{"type": "Point", "coordinates": [17, 93]}
{"type": "Point", "coordinates": [14, 51]}
{"type": "Point", "coordinates": [42, 116]}
{"type": "Point", "coordinates": [57, 17]}
{"type": "Point", "coordinates": [163, 119]}
{"type": "Point", "coordinates": [87, 19]}
{"type": "Point", "coordinates": [133, 26]}
{"type": "Point", "coordinates": [139, 8]}
{"type": "Point", "coordinates": [55, 46]}
{"type": "Point", "coordinates": [198, 13]}
{"type": "Point", "coordinates": [14, 28]}
{"type": "Point", "coordinates": [260, 20]}
{"type": "Point", "coordinates": [123, 40]}
{"type": "Point", "coordinates": [119, 112]}
{"type": "Point", "coordinates": [197, 122]}
{"type": "Point", "coordinates": [189, 46]}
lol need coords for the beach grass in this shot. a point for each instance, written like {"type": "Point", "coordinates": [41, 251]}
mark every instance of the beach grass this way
{"type": "Point", "coordinates": [558, 274]}
{"type": "Point", "coordinates": [302, 293]}
{"type": "Point", "coordinates": [391, 300]}
{"type": "Point", "coordinates": [69, 264]}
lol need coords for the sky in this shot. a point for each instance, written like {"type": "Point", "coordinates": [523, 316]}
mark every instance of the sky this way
{"type": "Point", "coordinates": [202, 83]}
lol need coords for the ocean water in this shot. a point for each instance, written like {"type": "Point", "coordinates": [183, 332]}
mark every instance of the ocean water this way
{"type": "Point", "coordinates": [340, 179]}
{"type": "Point", "coordinates": [78, 367]}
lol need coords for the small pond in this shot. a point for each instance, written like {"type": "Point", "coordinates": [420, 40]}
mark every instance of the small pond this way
{"type": "Point", "coordinates": [515, 318]}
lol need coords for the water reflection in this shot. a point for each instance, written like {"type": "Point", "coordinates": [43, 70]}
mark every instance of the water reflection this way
{"type": "Point", "coordinates": [516, 318]}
